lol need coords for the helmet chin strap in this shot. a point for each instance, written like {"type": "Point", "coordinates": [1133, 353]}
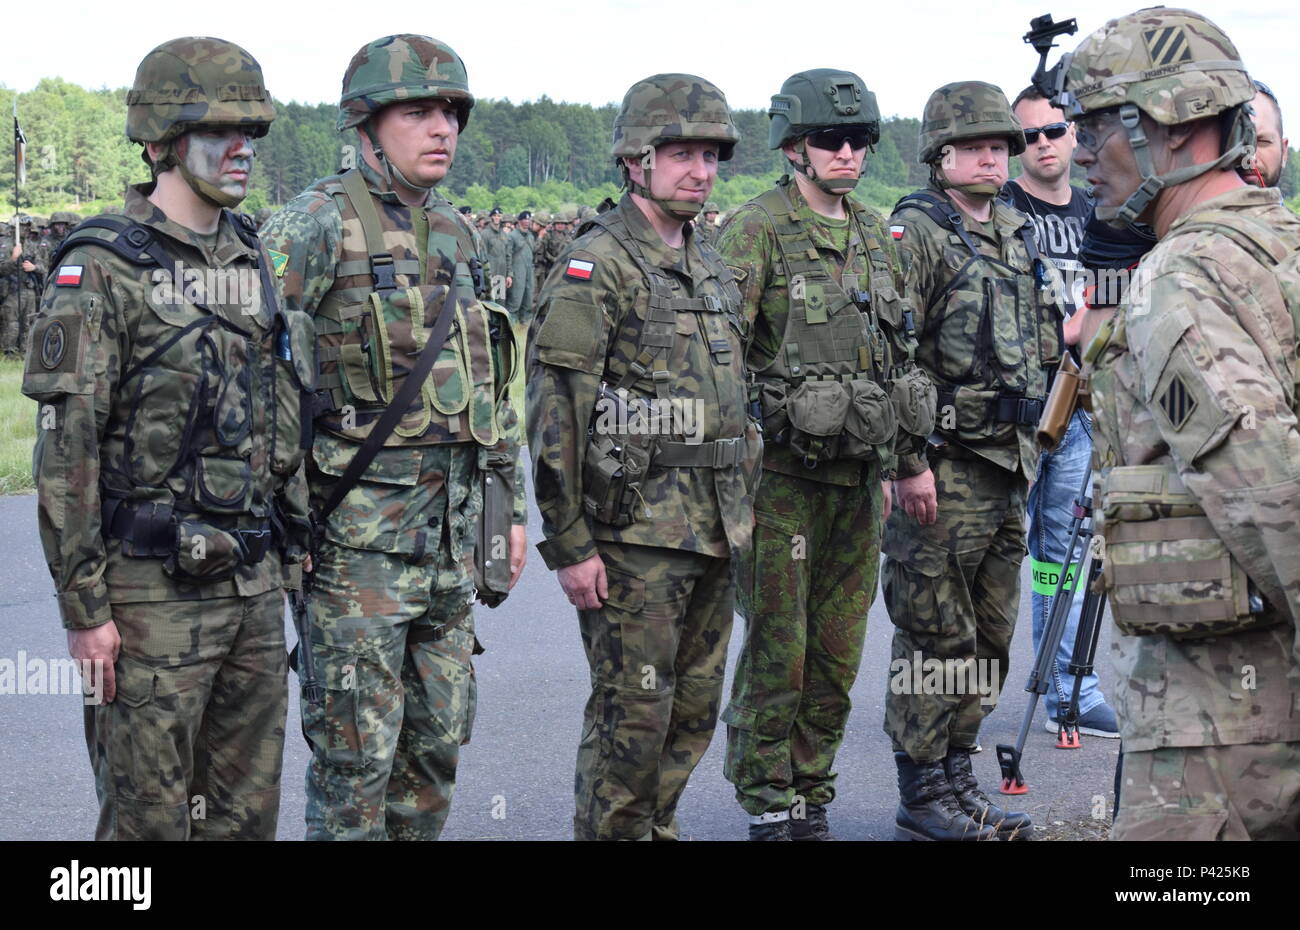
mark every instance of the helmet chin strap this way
{"type": "Point", "coordinates": [207, 191]}
{"type": "Point", "coordinates": [837, 187]}
{"type": "Point", "coordinates": [1241, 145]}
{"type": "Point", "coordinates": [981, 191]}
{"type": "Point", "coordinates": [390, 170]}
{"type": "Point", "coordinates": [681, 210]}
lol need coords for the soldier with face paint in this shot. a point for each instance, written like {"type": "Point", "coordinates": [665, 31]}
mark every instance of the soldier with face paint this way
{"type": "Point", "coordinates": [168, 463]}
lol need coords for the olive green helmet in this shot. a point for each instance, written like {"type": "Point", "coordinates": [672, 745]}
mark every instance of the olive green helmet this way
{"type": "Point", "coordinates": [65, 216]}
{"type": "Point", "coordinates": [711, 207]}
{"type": "Point", "coordinates": [671, 108]}
{"type": "Point", "coordinates": [402, 67]}
{"type": "Point", "coordinates": [823, 98]}
{"type": "Point", "coordinates": [197, 82]}
{"type": "Point", "coordinates": [1176, 67]}
{"type": "Point", "coordinates": [820, 99]}
{"type": "Point", "coordinates": [967, 110]}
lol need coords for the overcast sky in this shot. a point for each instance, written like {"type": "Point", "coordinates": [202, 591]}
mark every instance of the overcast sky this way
{"type": "Point", "coordinates": [591, 52]}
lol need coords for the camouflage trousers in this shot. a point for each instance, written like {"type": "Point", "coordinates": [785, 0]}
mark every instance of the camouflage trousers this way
{"type": "Point", "coordinates": [805, 592]}
{"type": "Point", "coordinates": [192, 745]}
{"type": "Point", "coordinates": [29, 301]}
{"type": "Point", "coordinates": [657, 650]}
{"type": "Point", "coordinates": [1244, 792]}
{"type": "Point", "coordinates": [9, 344]}
{"type": "Point", "coordinates": [393, 643]}
{"type": "Point", "coordinates": [952, 590]}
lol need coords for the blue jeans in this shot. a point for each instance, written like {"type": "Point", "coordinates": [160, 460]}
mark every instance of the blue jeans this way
{"type": "Point", "coordinates": [1051, 500]}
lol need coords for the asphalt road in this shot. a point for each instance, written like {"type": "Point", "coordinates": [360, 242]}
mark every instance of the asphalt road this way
{"type": "Point", "coordinates": [516, 777]}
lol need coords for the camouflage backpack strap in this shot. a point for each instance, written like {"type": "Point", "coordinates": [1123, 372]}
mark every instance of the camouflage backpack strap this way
{"type": "Point", "coordinates": [382, 266]}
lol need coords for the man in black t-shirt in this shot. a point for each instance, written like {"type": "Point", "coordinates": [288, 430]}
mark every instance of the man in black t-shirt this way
{"type": "Point", "coordinates": [1059, 212]}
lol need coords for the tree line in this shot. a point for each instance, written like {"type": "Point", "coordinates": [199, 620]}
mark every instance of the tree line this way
{"type": "Point", "coordinates": [540, 154]}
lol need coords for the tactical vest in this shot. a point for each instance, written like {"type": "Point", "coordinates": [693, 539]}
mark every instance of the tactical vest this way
{"type": "Point", "coordinates": [991, 337]}
{"type": "Point", "coordinates": [180, 459]}
{"type": "Point", "coordinates": [1167, 570]}
{"type": "Point", "coordinates": [823, 391]}
{"type": "Point", "coordinates": [617, 463]}
{"type": "Point", "coordinates": [373, 324]}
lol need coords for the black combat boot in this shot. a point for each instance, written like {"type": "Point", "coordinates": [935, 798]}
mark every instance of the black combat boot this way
{"type": "Point", "coordinates": [977, 805]}
{"type": "Point", "coordinates": [928, 809]}
{"type": "Point", "coordinates": [812, 827]}
{"type": "Point", "coordinates": [770, 831]}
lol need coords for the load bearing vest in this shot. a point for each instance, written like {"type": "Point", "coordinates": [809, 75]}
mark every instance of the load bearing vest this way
{"type": "Point", "coordinates": [372, 326]}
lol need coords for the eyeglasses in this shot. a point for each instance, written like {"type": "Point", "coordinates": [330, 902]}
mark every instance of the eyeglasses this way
{"type": "Point", "coordinates": [1088, 129]}
{"type": "Point", "coordinates": [1051, 130]}
{"type": "Point", "coordinates": [832, 140]}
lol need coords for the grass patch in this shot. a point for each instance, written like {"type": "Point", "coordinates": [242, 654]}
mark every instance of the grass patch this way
{"type": "Point", "coordinates": [17, 431]}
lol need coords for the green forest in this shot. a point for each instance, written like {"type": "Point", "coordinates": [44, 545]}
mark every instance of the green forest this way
{"type": "Point", "coordinates": [538, 155]}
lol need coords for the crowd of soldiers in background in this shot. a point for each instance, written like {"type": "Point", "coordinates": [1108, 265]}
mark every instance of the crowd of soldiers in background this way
{"type": "Point", "coordinates": [23, 266]}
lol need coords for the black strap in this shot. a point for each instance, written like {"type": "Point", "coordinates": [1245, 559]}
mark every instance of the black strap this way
{"type": "Point", "coordinates": [394, 412]}
{"type": "Point", "coordinates": [1005, 408]}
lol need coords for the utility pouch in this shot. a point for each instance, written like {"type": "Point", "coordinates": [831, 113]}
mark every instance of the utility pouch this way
{"type": "Point", "coordinates": [915, 400]}
{"type": "Point", "coordinates": [817, 411]}
{"type": "Point", "coordinates": [204, 554]}
{"type": "Point", "coordinates": [619, 455]}
{"type": "Point", "coordinates": [869, 422]}
{"type": "Point", "coordinates": [492, 541]}
{"type": "Point", "coordinates": [1167, 570]}
{"type": "Point", "coordinates": [1060, 404]}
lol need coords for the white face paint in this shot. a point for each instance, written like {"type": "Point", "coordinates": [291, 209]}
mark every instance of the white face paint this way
{"type": "Point", "coordinates": [222, 158]}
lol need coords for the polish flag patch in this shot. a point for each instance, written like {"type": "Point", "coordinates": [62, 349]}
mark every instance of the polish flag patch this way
{"type": "Point", "coordinates": [69, 276]}
{"type": "Point", "coordinates": [579, 269]}
{"type": "Point", "coordinates": [897, 231]}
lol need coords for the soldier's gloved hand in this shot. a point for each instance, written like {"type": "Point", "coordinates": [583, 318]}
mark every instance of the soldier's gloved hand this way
{"type": "Point", "coordinates": [917, 496]}
{"type": "Point", "coordinates": [518, 552]}
{"type": "Point", "coordinates": [96, 650]}
{"type": "Point", "coordinates": [888, 488]}
{"type": "Point", "coordinates": [585, 583]}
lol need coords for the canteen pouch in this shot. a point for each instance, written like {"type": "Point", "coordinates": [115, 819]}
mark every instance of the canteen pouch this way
{"type": "Point", "coordinates": [1060, 404]}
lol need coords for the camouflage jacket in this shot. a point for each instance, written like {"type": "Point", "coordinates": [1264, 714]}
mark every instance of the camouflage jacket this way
{"type": "Point", "coordinates": [591, 308]}
{"type": "Point", "coordinates": [310, 242]}
{"type": "Point", "coordinates": [146, 397]}
{"type": "Point", "coordinates": [970, 358]}
{"type": "Point", "coordinates": [1198, 376]}
{"type": "Point", "coordinates": [748, 243]}
{"type": "Point", "coordinates": [549, 249]}
{"type": "Point", "coordinates": [498, 252]}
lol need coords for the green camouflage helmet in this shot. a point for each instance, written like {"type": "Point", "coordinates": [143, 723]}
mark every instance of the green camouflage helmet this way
{"type": "Point", "coordinates": [1176, 67]}
{"type": "Point", "coordinates": [673, 108]}
{"type": "Point", "coordinates": [711, 207]}
{"type": "Point", "coordinates": [967, 110]}
{"type": "Point", "coordinates": [819, 99]}
{"type": "Point", "coordinates": [197, 82]}
{"type": "Point", "coordinates": [65, 216]}
{"type": "Point", "coordinates": [402, 67]}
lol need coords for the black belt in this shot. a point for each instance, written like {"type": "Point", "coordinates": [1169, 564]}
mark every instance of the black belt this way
{"type": "Point", "coordinates": [1005, 408]}
{"type": "Point", "coordinates": [149, 529]}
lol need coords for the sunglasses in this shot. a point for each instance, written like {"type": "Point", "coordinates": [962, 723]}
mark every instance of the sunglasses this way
{"type": "Point", "coordinates": [1051, 130]}
{"type": "Point", "coordinates": [832, 140]}
{"type": "Point", "coordinates": [1094, 130]}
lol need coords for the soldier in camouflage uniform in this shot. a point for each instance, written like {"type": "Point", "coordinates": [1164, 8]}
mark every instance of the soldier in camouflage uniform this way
{"type": "Point", "coordinates": [706, 227]}
{"type": "Point", "coordinates": [1193, 389]}
{"type": "Point", "coordinates": [988, 318]}
{"type": "Point", "coordinates": [10, 260]}
{"type": "Point", "coordinates": [498, 250]}
{"type": "Point", "coordinates": [835, 377]}
{"type": "Point", "coordinates": [522, 243]}
{"type": "Point", "coordinates": [168, 463]}
{"type": "Point", "coordinates": [638, 332]}
{"type": "Point", "coordinates": [365, 253]}
{"type": "Point", "coordinates": [550, 248]}
{"type": "Point", "coordinates": [33, 256]}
